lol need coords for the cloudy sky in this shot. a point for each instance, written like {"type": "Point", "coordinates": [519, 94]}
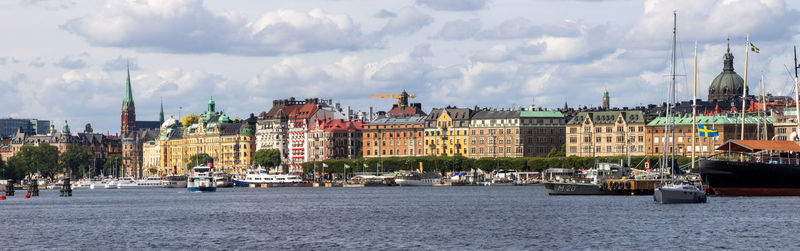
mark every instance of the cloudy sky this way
{"type": "Point", "coordinates": [65, 59]}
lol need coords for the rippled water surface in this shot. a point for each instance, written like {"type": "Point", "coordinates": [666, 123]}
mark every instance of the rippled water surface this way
{"type": "Point", "coordinates": [390, 218]}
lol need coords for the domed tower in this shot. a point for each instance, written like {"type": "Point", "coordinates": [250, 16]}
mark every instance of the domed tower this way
{"type": "Point", "coordinates": [728, 83]}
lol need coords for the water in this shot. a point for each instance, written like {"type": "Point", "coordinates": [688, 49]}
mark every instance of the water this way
{"type": "Point", "coordinates": [507, 218]}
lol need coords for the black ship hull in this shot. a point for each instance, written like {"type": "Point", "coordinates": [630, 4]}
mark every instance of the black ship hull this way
{"type": "Point", "coordinates": [558, 188]}
{"type": "Point", "coordinates": [730, 178]}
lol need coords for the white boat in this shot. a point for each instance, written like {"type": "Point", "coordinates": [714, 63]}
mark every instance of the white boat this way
{"type": "Point", "coordinates": [98, 184]}
{"type": "Point", "coordinates": [682, 192]}
{"type": "Point", "coordinates": [417, 179]}
{"type": "Point", "coordinates": [111, 184]}
{"type": "Point", "coordinates": [500, 182]}
{"type": "Point", "coordinates": [222, 179]}
{"type": "Point", "coordinates": [127, 183]}
{"type": "Point", "coordinates": [174, 181]}
{"type": "Point", "coordinates": [82, 184]}
{"type": "Point", "coordinates": [149, 182]}
{"type": "Point", "coordinates": [201, 180]}
{"type": "Point", "coordinates": [260, 176]}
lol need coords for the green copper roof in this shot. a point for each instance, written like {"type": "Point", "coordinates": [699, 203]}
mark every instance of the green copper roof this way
{"type": "Point", "coordinates": [128, 100]}
{"type": "Point", "coordinates": [725, 119]}
{"type": "Point", "coordinates": [609, 117]}
{"type": "Point", "coordinates": [211, 105]}
{"type": "Point", "coordinates": [66, 127]}
{"type": "Point", "coordinates": [541, 114]}
{"type": "Point", "coordinates": [246, 130]}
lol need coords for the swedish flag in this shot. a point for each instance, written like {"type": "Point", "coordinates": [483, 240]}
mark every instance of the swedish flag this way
{"type": "Point", "coordinates": [365, 165]}
{"type": "Point", "coordinates": [707, 132]}
{"type": "Point", "coordinates": [346, 166]}
{"type": "Point", "coordinates": [754, 48]}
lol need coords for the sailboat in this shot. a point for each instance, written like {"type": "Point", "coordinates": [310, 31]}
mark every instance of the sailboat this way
{"type": "Point", "coordinates": [677, 191]}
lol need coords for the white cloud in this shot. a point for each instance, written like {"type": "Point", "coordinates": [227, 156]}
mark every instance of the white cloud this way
{"type": "Point", "coordinates": [408, 21]}
{"type": "Point", "coordinates": [460, 29]}
{"type": "Point", "coordinates": [187, 26]}
{"type": "Point", "coordinates": [454, 5]}
{"type": "Point", "coordinates": [70, 62]}
{"type": "Point", "coordinates": [517, 28]}
{"type": "Point", "coordinates": [121, 64]}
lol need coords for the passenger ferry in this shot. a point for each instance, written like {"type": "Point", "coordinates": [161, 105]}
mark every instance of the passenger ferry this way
{"type": "Point", "coordinates": [261, 176]}
{"type": "Point", "coordinates": [174, 181]}
{"type": "Point", "coordinates": [201, 180]}
{"type": "Point", "coordinates": [126, 183]}
{"type": "Point", "coordinates": [417, 179]}
{"type": "Point", "coordinates": [149, 182]}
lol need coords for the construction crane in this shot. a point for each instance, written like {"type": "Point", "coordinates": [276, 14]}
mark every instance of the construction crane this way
{"type": "Point", "coordinates": [402, 98]}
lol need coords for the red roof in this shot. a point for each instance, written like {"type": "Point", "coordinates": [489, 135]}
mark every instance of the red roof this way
{"type": "Point", "coordinates": [750, 146]}
{"type": "Point", "coordinates": [338, 125]}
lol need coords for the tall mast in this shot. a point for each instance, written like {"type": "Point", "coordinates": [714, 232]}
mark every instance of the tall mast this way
{"type": "Point", "coordinates": [694, 103]}
{"type": "Point", "coordinates": [670, 96]}
{"type": "Point", "coordinates": [744, 90]}
{"type": "Point", "coordinates": [764, 105]}
{"type": "Point", "coordinates": [796, 96]}
{"type": "Point", "coordinates": [672, 85]}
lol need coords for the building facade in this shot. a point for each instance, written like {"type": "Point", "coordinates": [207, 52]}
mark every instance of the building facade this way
{"type": "Point", "coordinates": [335, 139]}
{"type": "Point", "coordinates": [285, 127]}
{"type": "Point", "coordinates": [606, 133]}
{"type": "Point", "coordinates": [394, 136]}
{"type": "Point", "coordinates": [229, 143]}
{"type": "Point", "coordinates": [541, 131]}
{"type": "Point", "coordinates": [10, 126]}
{"type": "Point", "coordinates": [728, 125]}
{"type": "Point", "coordinates": [447, 131]}
{"type": "Point", "coordinates": [495, 133]}
{"type": "Point", "coordinates": [133, 134]}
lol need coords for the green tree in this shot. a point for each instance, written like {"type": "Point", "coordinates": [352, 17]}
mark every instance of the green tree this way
{"type": "Point", "coordinates": [39, 159]}
{"type": "Point", "coordinates": [267, 158]}
{"type": "Point", "coordinates": [14, 169]}
{"type": "Point", "coordinates": [199, 159]}
{"type": "Point", "coordinates": [557, 152]}
{"type": "Point", "coordinates": [112, 162]}
{"type": "Point", "coordinates": [77, 159]}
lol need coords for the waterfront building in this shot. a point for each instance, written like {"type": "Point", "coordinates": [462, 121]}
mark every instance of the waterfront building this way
{"type": "Point", "coordinates": [495, 133]}
{"type": "Point", "coordinates": [335, 139]}
{"type": "Point", "coordinates": [285, 127]}
{"type": "Point", "coordinates": [447, 131]}
{"type": "Point", "coordinates": [5, 153]}
{"type": "Point", "coordinates": [394, 136]}
{"type": "Point", "coordinates": [134, 133]}
{"type": "Point", "coordinates": [541, 131]}
{"type": "Point", "coordinates": [151, 158]}
{"type": "Point", "coordinates": [785, 126]}
{"type": "Point", "coordinates": [10, 126]}
{"type": "Point", "coordinates": [729, 127]}
{"type": "Point", "coordinates": [606, 133]}
{"type": "Point", "coordinates": [230, 143]}
{"type": "Point", "coordinates": [97, 144]}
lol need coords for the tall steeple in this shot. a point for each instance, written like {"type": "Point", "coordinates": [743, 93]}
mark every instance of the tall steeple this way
{"type": "Point", "coordinates": [161, 114]}
{"type": "Point", "coordinates": [128, 116]}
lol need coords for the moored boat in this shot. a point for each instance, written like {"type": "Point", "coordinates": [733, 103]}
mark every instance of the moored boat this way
{"type": "Point", "coordinates": [417, 179]}
{"type": "Point", "coordinates": [762, 168]}
{"type": "Point", "coordinates": [592, 184]}
{"type": "Point", "coordinates": [222, 179]}
{"type": "Point", "coordinates": [260, 176]}
{"type": "Point", "coordinates": [174, 181]}
{"type": "Point", "coordinates": [679, 192]}
{"type": "Point", "coordinates": [149, 182]}
{"type": "Point", "coordinates": [201, 180]}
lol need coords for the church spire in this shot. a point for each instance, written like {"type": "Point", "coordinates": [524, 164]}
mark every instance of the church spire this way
{"type": "Point", "coordinates": [161, 114]}
{"type": "Point", "coordinates": [128, 100]}
{"type": "Point", "coordinates": [728, 59]}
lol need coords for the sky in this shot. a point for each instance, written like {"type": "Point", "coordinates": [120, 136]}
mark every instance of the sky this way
{"type": "Point", "coordinates": [66, 59]}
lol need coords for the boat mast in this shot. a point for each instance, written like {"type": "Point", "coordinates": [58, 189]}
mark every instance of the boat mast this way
{"type": "Point", "coordinates": [694, 103]}
{"type": "Point", "coordinates": [670, 93]}
{"type": "Point", "coordinates": [672, 85]}
{"type": "Point", "coordinates": [744, 90]}
{"type": "Point", "coordinates": [796, 96]}
{"type": "Point", "coordinates": [764, 105]}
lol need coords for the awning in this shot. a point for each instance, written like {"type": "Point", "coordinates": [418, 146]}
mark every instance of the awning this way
{"type": "Point", "coordinates": [752, 146]}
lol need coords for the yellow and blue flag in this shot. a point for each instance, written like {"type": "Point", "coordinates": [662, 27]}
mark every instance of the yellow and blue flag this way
{"type": "Point", "coordinates": [707, 132]}
{"type": "Point", "coordinates": [346, 166]}
{"type": "Point", "coordinates": [365, 165]}
{"type": "Point", "coordinates": [754, 48]}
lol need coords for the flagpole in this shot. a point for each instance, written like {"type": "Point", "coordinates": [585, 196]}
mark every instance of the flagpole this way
{"type": "Point", "coordinates": [694, 104]}
{"type": "Point", "coordinates": [796, 96]}
{"type": "Point", "coordinates": [744, 90]}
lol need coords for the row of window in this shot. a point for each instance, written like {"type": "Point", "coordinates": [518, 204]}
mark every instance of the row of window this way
{"type": "Point", "coordinates": [392, 152]}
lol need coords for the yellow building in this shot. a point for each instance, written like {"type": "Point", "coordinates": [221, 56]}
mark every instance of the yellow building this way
{"type": "Point", "coordinates": [229, 143]}
{"type": "Point", "coordinates": [446, 131]}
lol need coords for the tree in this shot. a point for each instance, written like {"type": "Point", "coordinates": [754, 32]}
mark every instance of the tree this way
{"type": "Point", "coordinates": [267, 158]}
{"type": "Point", "coordinates": [112, 163]}
{"type": "Point", "coordinates": [199, 159]}
{"type": "Point", "coordinates": [14, 169]}
{"type": "Point", "coordinates": [557, 152]}
{"type": "Point", "coordinates": [38, 159]}
{"type": "Point", "coordinates": [77, 159]}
